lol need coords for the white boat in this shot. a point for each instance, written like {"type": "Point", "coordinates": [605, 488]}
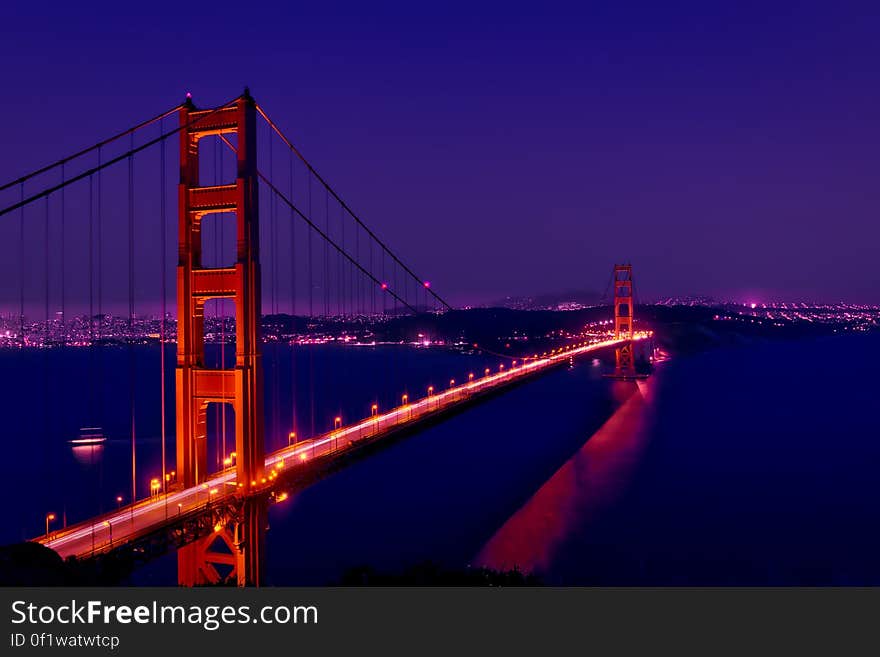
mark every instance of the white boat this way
{"type": "Point", "coordinates": [89, 436]}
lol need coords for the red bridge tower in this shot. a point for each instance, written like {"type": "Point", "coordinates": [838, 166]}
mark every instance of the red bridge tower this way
{"type": "Point", "coordinates": [198, 385]}
{"type": "Point", "coordinates": [623, 321]}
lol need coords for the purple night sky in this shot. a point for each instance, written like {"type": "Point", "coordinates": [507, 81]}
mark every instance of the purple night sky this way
{"type": "Point", "coordinates": [728, 151]}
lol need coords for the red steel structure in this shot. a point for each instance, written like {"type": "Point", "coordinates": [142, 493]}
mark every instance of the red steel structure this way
{"type": "Point", "coordinates": [623, 320]}
{"type": "Point", "coordinates": [198, 385]}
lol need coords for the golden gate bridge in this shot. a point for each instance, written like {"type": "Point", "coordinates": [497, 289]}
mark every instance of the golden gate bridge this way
{"type": "Point", "coordinates": [323, 257]}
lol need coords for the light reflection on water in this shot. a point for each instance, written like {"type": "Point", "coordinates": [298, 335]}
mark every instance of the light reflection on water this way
{"type": "Point", "coordinates": [587, 483]}
{"type": "Point", "coordinates": [87, 454]}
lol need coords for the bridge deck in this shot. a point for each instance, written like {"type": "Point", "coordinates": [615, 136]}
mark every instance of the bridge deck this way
{"type": "Point", "coordinates": [103, 533]}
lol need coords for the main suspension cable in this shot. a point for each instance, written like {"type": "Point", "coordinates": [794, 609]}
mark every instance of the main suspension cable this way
{"type": "Point", "coordinates": [345, 205]}
{"type": "Point", "coordinates": [133, 150]}
{"type": "Point", "coordinates": [331, 242]}
{"type": "Point", "coordinates": [85, 151]}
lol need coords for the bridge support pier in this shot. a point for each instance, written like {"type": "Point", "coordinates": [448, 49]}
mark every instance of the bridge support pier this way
{"type": "Point", "coordinates": [233, 554]}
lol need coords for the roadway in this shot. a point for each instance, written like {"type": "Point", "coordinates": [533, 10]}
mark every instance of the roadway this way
{"type": "Point", "coordinates": [101, 534]}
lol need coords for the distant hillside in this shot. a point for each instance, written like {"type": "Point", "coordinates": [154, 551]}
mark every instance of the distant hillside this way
{"type": "Point", "coordinates": [678, 328]}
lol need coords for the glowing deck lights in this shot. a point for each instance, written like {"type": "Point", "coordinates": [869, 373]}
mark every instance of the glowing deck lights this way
{"type": "Point", "coordinates": [77, 540]}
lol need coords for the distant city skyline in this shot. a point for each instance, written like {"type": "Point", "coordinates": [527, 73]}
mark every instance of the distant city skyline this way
{"type": "Point", "coordinates": [34, 312]}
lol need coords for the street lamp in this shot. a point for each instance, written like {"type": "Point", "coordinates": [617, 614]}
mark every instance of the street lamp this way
{"type": "Point", "coordinates": [154, 486]}
{"type": "Point", "coordinates": [291, 437]}
{"type": "Point", "coordinates": [374, 410]}
{"type": "Point", "coordinates": [118, 502]}
{"type": "Point", "coordinates": [430, 390]}
{"type": "Point", "coordinates": [405, 399]}
{"type": "Point", "coordinates": [49, 518]}
{"type": "Point", "coordinates": [337, 424]}
{"type": "Point", "coordinates": [471, 376]}
{"type": "Point", "coordinates": [487, 371]}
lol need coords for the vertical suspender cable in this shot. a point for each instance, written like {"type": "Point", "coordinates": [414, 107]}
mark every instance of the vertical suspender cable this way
{"type": "Point", "coordinates": [276, 364]}
{"type": "Point", "coordinates": [311, 314]}
{"type": "Point", "coordinates": [164, 308]}
{"type": "Point", "coordinates": [360, 279]}
{"type": "Point", "coordinates": [222, 304]}
{"type": "Point", "coordinates": [21, 268]}
{"type": "Point", "coordinates": [293, 261]}
{"type": "Point", "coordinates": [326, 255]}
{"type": "Point", "coordinates": [91, 303]}
{"type": "Point", "coordinates": [389, 380]}
{"type": "Point", "coordinates": [45, 345]}
{"type": "Point", "coordinates": [63, 277]}
{"type": "Point", "coordinates": [342, 291]}
{"type": "Point", "coordinates": [92, 379]}
{"type": "Point", "coordinates": [343, 317]}
{"type": "Point", "coordinates": [61, 374]}
{"type": "Point", "coordinates": [356, 278]}
{"type": "Point", "coordinates": [219, 409]}
{"type": "Point", "coordinates": [100, 230]}
{"type": "Point", "coordinates": [100, 353]}
{"type": "Point", "coordinates": [131, 361]}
